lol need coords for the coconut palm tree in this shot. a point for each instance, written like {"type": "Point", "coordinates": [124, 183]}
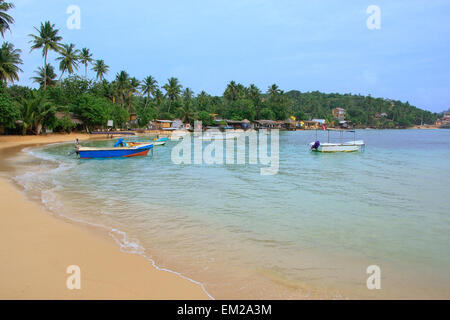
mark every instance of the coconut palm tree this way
{"type": "Point", "coordinates": [188, 94]}
{"type": "Point", "coordinates": [68, 61]}
{"type": "Point", "coordinates": [131, 89]}
{"type": "Point", "coordinates": [254, 93]}
{"type": "Point", "coordinates": [9, 63]}
{"type": "Point", "coordinates": [101, 69]}
{"type": "Point", "coordinates": [149, 86]}
{"type": "Point", "coordinates": [5, 19]}
{"type": "Point", "coordinates": [173, 90]}
{"type": "Point", "coordinates": [159, 96]}
{"type": "Point", "coordinates": [122, 85]}
{"type": "Point", "coordinates": [186, 113]}
{"type": "Point", "coordinates": [273, 90]}
{"type": "Point", "coordinates": [231, 92]}
{"type": "Point", "coordinates": [35, 111]}
{"type": "Point", "coordinates": [85, 58]}
{"type": "Point", "coordinates": [134, 85]}
{"type": "Point", "coordinates": [47, 39]}
{"type": "Point", "coordinates": [45, 76]}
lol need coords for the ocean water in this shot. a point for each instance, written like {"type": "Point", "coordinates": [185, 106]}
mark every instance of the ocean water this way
{"type": "Point", "coordinates": [309, 231]}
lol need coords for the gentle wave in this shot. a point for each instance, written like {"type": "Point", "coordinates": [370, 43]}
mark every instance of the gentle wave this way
{"type": "Point", "coordinates": [34, 180]}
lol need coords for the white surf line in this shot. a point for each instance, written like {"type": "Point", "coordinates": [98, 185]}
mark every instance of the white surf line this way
{"type": "Point", "coordinates": [111, 230]}
{"type": "Point", "coordinates": [159, 268]}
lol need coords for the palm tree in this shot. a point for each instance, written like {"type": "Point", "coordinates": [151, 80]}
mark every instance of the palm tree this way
{"type": "Point", "coordinates": [132, 88]}
{"type": "Point", "coordinates": [68, 59]}
{"type": "Point", "coordinates": [186, 113]}
{"type": "Point", "coordinates": [5, 19]}
{"type": "Point", "coordinates": [35, 111]}
{"type": "Point", "coordinates": [47, 39]}
{"type": "Point", "coordinates": [101, 68]}
{"type": "Point", "coordinates": [45, 76]}
{"type": "Point", "coordinates": [122, 85]}
{"type": "Point", "coordinates": [149, 86]}
{"type": "Point", "coordinates": [134, 85]}
{"type": "Point", "coordinates": [85, 58]}
{"type": "Point", "coordinates": [9, 63]}
{"type": "Point", "coordinates": [188, 94]}
{"type": "Point", "coordinates": [159, 96]}
{"type": "Point", "coordinates": [254, 93]}
{"type": "Point", "coordinates": [273, 90]}
{"type": "Point", "coordinates": [231, 92]}
{"type": "Point", "coordinates": [173, 90]}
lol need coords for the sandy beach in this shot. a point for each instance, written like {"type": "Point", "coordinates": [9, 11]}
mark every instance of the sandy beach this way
{"type": "Point", "coordinates": [37, 249]}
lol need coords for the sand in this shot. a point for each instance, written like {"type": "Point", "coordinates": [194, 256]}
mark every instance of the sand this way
{"type": "Point", "coordinates": [36, 249]}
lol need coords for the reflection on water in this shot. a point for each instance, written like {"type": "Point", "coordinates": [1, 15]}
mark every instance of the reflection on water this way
{"type": "Point", "coordinates": [310, 231]}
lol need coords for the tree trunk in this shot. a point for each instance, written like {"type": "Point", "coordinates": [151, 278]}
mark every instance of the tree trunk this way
{"type": "Point", "coordinates": [45, 70]}
{"type": "Point", "coordinates": [38, 128]}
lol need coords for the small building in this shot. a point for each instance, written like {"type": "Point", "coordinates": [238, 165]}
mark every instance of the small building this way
{"type": "Point", "coordinates": [339, 113]}
{"type": "Point", "coordinates": [163, 124]}
{"type": "Point", "coordinates": [177, 124]}
{"type": "Point", "coordinates": [244, 124]}
{"type": "Point", "coordinates": [266, 124]}
{"type": "Point", "coordinates": [291, 124]}
{"type": "Point", "coordinates": [319, 121]}
{"type": "Point", "coordinates": [311, 125]}
{"type": "Point", "coordinates": [446, 119]}
{"type": "Point", "coordinates": [169, 125]}
{"type": "Point", "coordinates": [133, 119]}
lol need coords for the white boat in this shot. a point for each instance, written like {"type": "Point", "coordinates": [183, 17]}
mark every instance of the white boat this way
{"type": "Point", "coordinates": [349, 146]}
{"type": "Point", "coordinates": [219, 136]}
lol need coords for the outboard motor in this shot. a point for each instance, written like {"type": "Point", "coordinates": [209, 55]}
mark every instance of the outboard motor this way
{"type": "Point", "coordinates": [316, 145]}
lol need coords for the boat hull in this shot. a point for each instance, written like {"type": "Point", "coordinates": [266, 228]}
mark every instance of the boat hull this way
{"type": "Point", "coordinates": [90, 153]}
{"type": "Point", "coordinates": [338, 147]}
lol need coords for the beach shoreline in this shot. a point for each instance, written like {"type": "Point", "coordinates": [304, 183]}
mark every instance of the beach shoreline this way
{"type": "Point", "coordinates": [38, 248]}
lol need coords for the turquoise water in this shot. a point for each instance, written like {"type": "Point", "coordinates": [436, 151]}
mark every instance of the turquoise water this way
{"type": "Point", "coordinates": [309, 231]}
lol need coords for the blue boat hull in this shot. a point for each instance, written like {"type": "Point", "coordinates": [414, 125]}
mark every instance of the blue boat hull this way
{"type": "Point", "coordinates": [115, 153]}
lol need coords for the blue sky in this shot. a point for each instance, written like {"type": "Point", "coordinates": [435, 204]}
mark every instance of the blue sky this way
{"type": "Point", "coordinates": [304, 45]}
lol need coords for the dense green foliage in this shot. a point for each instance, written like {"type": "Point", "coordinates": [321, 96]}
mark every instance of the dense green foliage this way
{"type": "Point", "coordinates": [9, 111]}
{"type": "Point", "coordinates": [96, 101]}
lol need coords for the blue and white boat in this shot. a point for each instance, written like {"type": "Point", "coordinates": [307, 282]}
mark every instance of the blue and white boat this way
{"type": "Point", "coordinates": [120, 150]}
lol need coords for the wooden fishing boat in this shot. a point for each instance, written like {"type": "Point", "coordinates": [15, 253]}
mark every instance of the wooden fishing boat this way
{"type": "Point", "coordinates": [120, 150]}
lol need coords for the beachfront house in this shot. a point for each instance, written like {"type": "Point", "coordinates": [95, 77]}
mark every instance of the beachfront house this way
{"type": "Point", "coordinates": [244, 124]}
{"type": "Point", "coordinates": [446, 119]}
{"type": "Point", "coordinates": [291, 123]}
{"type": "Point", "coordinates": [319, 121]}
{"type": "Point", "coordinates": [311, 125]}
{"type": "Point", "coordinates": [133, 122]}
{"type": "Point", "coordinates": [339, 114]}
{"type": "Point", "coordinates": [265, 124]}
{"type": "Point", "coordinates": [163, 124]}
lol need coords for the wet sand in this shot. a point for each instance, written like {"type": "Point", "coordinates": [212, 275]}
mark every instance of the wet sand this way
{"type": "Point", "coordinates": [37, 248]}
